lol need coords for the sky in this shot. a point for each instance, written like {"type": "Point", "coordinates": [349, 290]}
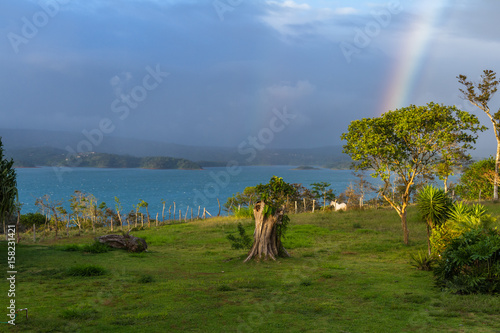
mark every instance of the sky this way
{"type": "Point", "coordinates": [273, 73]}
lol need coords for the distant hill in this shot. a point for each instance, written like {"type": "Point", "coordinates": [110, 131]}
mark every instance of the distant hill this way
{"type": "Point", "coordinates": [44, 156]}
{"type": "Point", "coordinates": [53, 142]}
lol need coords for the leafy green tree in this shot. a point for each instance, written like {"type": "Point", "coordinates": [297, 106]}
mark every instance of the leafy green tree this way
{"type": "Point", "coordinates": [271, 220]}
{"type": "Point", "coordinates": [321, 191]}
{"type": "Point", "coordinates": [451, 160]}
{"type": "Point", "coordinates": [30, 219]}
{"type": "Point", "coordinates": [486, 88]}
{"type": "Point", "coordinates": [434, 206]}
{"type": "Point", "coordinates": [246, 199]}
{"type": "Point", "coordinates": [407, 143]}
{"type": "Point", "coordinates": [8, 187]}
{"type": "Point", "coordinates": [474, 180]}
{"type": "Point", "coordinates": [144, 204]}
{"type": "Point", "coordinates": [53, 207]}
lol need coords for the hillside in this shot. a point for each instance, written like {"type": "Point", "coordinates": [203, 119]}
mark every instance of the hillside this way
{"type": "Point", "coordinates": [46, 156]}
{"type": "Point", "coordinates": [348, 272]}
{"type": "Point", "coordinates": [330, 156]}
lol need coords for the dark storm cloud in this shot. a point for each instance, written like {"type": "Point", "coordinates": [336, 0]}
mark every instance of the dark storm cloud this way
{"type": "Point", "coordinates": [227, 71]}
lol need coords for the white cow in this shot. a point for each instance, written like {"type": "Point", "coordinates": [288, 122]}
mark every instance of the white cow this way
{"type": "Point", "coordinates": [338, 206]}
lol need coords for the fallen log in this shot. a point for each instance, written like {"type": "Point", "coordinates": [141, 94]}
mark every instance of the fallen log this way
{"type": "Point", "coordinates": [127, 242]}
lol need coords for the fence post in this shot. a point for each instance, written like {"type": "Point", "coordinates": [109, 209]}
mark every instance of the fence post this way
{"type": "Point", "coordinates": [305, 205]}
{"type": "Point", "coordinates": [295, 207]}
{"type": "Point", "coordinates": [314, 204]}
{"type": "Point", "coordinates": [199, 207]}
{"type": "Point", "coordinates": [174, 210]}
{"type": "Point", "coordinates": [111, 223]}
{"type": "Point", "coordinates": [157, 220]}
{"type": "Point", "coordinates": [180, 215]}
{"type": "Point", "coordinates": [204, 213]}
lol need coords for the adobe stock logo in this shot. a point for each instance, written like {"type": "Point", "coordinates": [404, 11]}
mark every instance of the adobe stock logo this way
{"type": "Point", "coordinates": [365, 35]}
{"type": "Point", "coordinates": [222, 7]}
{"type": "Point", "coordinates": [121, 108]}
{"type": "Point", "coordinates": [248, 148]}
{"type": "Point", "coordinates": [31, 26]}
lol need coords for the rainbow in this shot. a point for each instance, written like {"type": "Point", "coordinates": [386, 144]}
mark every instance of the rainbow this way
{"type": "Point", "coordinates": [407, 71]}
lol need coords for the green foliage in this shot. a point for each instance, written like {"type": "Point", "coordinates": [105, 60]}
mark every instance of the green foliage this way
{"type": "Point", "coordinates": [433, 204]}
{"type": "Point", "coordinates": [243, 212]}
{"type": "Point", "coordinates": [29, 219]}
{"type": "Point", "coordinates": [275, 193]}
{"type": "Point", "coordinates": [146, 279]}
{"type": "Point", "coordinates": [8, 185]}
{"type": "Point", "coordinates": [471, 263]}
{"type": "Point", "coordinates": [104, 160]}
{"type": "Point", "coordinates": [320, 191]}
{"type": "Point", "coordinates": [408, 143]}
{"type": "Point", "coordinates": [86, 270]}
{"type": "Point", "coordinates": [422, 261]}
{"type": "Point", "coordinates": [243, 241]}
{"type": "Point", "coordinates": [96, 247]}
{"type": "Point", "coordinates": [71, 248]}
{"type": "Point", "coordinates": [80, 312]}
{"type": "Point", "coordinates": [409, 140]}
{"type": "Point", "coordinates": [473, 180]}
{"type": "Point", "coordinates": [461, 218]}
{"type": "Point", "coordinates": [245, 199]}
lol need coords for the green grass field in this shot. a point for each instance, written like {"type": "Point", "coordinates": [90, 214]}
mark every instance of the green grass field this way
{"type": "Point", "coordinates": [349, 272]}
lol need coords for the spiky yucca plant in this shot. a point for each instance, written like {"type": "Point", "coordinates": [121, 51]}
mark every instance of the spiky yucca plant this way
{"type": "Point", "coordinates": [434, 206]}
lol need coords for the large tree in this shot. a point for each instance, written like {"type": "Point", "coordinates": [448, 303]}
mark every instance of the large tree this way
{"type": "Point", "coordinates": [271, 220]}
{"type": "Point", "coordinates": [486, 88]}
{"type": "Point", "coordinates": [8, 187]}
{"type": "Point", "coordinates": [407, 143]}
{"type": "Point", "coordinates": [475, 182]}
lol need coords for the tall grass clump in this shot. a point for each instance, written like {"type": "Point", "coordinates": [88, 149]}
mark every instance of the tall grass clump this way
{"type": "Point", "coordinates": [243, 212]}
{"type": "Point", "coordinates": [96, 247]}
{"type": "Point", "coordinates": [86, 270]}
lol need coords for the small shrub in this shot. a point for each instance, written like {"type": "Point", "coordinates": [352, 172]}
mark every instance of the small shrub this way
{"type": "Point", "coordinates": [462, 218]}
{"type": "Point", "coordinates": [470, 264]}
{"type": "Point", "coordinates": [242, 242]}
{"type": "Point", "coordinates": [86, 270]}
{"type": "Point", "coordinates": [27, 220]}
{"type": "Point", "coordinates": [422, 261]}
{"type": "Point", "coordinates": [356, 225]}
{"type": "Point", "coordinates": [146, 279]}
{"type": "Point", "coordinates": [306, 283]}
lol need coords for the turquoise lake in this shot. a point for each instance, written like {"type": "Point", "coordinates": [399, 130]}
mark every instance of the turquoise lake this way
{"type": "Point", "coordinates": [186, 188]}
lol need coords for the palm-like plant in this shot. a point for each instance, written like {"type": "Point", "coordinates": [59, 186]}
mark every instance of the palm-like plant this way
{"type": "Point", "coordinates": [434, 206]}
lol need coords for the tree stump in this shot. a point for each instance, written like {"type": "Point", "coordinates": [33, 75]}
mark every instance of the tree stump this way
{"type": "Point", "coordinates": [266, 241]}
{"type": "Point", "coordinates": [127, 242]}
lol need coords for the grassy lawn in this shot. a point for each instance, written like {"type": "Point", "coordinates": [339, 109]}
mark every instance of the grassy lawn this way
{"type": "Point", "coordinates": [349, 272]}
